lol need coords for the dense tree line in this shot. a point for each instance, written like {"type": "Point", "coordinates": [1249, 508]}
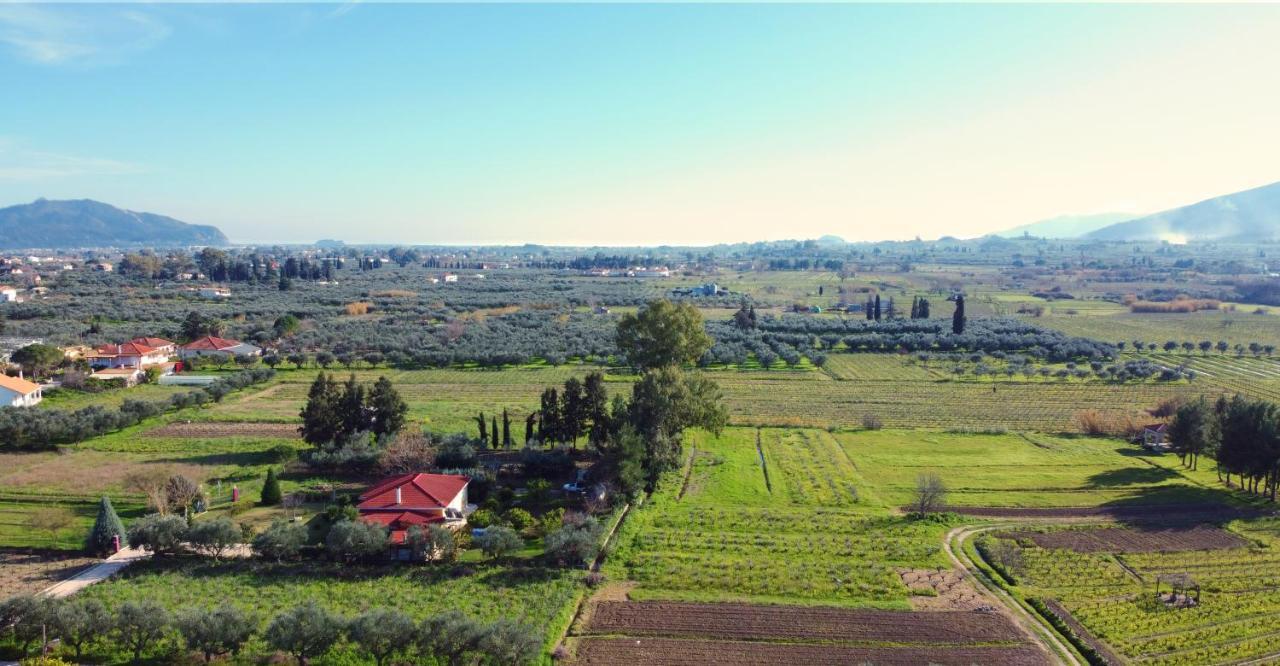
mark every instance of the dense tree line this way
{"type": "Point", "coordinates": [791, 337]}
{"type": "Point", "coordinates": [1242, 435]}
{"type": "Point", "coordinates": [146, 629]}
{"type": "Point", "coordinates": [348, 424]}
{"type": "Point", "coordinates": [34, 429]}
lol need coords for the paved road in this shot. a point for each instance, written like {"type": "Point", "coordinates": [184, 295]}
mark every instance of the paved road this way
{"type": "Point", "coordinates": [96, 573]}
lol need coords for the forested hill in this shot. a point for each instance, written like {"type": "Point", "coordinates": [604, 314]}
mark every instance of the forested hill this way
{"type": "Point", "coordinates": [88, 223]}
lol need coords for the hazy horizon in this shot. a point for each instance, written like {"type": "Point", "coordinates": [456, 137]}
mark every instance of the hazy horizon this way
{"type": "Point", "coordinates": [608, 125]}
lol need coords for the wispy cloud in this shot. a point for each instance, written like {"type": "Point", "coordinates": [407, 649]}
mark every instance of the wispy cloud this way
{"type": "Point", "coordinates": [21, 164]}
{"type": "Point", "coordinates": [83, 35]}
{"type": "Point", "coordinates": [343, 8]}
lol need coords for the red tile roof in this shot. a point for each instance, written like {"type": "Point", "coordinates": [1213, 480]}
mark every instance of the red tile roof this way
{"type": "Point", "coordinates": [210, 343]}
{"type": "Point", "coordinates": [126, 349]}
{"type": "Point", "coordinates": [417, 491]}
{"type": "Point", "coordinates": [153, 342]}
{"type": "Point", "coordinates": [423, 499]}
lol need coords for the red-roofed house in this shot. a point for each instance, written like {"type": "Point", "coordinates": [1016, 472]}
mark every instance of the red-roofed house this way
{"type": "Point", "coordinates": [127, 355]}
{"type": "Point", "coordinates": [211, 345]}
{"type": "Point", "coordinates": [159, 344]}
{"type": "Point", "coordinates": [409, 500]}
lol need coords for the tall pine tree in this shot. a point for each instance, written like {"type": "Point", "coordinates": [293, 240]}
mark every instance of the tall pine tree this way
{"type": "Point", "coordinates": [320, 419]}
{"type": "Point", "coordinates": [386, 408]}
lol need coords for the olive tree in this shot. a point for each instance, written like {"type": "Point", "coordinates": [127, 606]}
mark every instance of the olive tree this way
{"type": "Point", "coordinates": [214, 537]}
{"type": "Point", "coordinates": [158, 534]}
{"type": "Point", "coordinates": [383, 633]}
{"type": "Point", "coordinates": [282, 541]}
{"type": "Point", "coordinates": [80, 622]}
{"type": "Point", "coordinates": [498, 541]}
{"type": "Point", "coordinates": [141, 624]}
{"type": "Point", "coordinates": [305, 632]}
{"type": "Point", "coordinates": [223, 630]}
{"type": "Point", "coordinates": [451, 637]}
{"type": "Point", "coordinates": [355, 540]}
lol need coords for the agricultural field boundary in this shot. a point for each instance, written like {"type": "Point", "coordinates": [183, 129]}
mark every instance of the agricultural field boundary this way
{"type": "Point", "coordinates": [1083, 634]}
{"type": "Point", "coordinates": [1046, 636]}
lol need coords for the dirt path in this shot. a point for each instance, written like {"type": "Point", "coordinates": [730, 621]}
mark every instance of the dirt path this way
{"type": "Point", "coordinates": [96, 573]}
{"type": "Point", "coordinates": [1036, 629]}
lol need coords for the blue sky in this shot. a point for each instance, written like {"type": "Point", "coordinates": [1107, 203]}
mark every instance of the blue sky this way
{"type": "Point", "coordinates": [613, 124]}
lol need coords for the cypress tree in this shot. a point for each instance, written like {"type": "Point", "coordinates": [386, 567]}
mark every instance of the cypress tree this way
{"type": "Point", "coordinates": [528, 427]}
{"type": "Point", "coordinates": [271, 489]}
{"type": "Point", "coordinates": [106, 527]}
{"type": "Point", "coordinates": [957, 319]}
{"type": "Point", "coordinates": [877, 307]}
{"type": "Point", "coordinates": [494, 430]}
{"type": "Point", "coordinates": [506, 429]}
{"type": "Point", "coordinates": [484, 433]}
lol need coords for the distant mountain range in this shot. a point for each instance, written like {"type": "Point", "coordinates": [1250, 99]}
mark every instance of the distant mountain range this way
{"type": "Point", "coordinates": [1066, 226]}
{"type": "Point", "coordinates": [1251, 216]}
{"type": "Point", "coordinates": [88, 223]}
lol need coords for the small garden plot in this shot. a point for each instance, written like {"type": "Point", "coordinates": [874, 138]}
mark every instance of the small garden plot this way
{"type": "Point", "coordinates": [763, 622]}
{"type": "Point", "coordinates": [810, 467]}
{"type": "Point", "coordinates": [1136, 539]}
{"type": "Point", "coordinates": [677, 652]}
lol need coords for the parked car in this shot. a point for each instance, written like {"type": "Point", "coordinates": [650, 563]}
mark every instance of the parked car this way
{"type": "Point", "coordinates": [574, 488]}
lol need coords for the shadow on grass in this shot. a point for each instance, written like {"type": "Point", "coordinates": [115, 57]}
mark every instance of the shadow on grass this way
{"type": "Point", "coordinates": [240, 459]}
{"type": "Point", "coordinates": [1131, 476]}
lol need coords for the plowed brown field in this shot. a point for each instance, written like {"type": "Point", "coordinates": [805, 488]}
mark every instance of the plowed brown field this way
{"type": "Point", "coordinates": [1136, 539]}
{"type": "Point", "coordinates": [1155, 513]}
{"type": "Point", "coordinates": [208, 430]}
{"type": "Point", "coordinates": [752, 622]}
{"type": "Point", "coordinates": [676, 652]}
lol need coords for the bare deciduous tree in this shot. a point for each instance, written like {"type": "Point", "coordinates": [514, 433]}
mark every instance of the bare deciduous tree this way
{"type": "Point", "coordinates": [931, 494]}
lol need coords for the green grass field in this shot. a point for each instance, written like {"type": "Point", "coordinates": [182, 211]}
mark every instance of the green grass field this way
{"type": "Point", "coordinates": [68, 399]}
{"type": "Point", "coordinates": [1018, 470]}
{"type": "Point", "coordinates": [719, 532]}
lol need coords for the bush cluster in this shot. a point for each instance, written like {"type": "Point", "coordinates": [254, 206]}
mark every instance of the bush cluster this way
{"type": "Point", "coordinates": [44, 429]}
{"type": "Point", "coordinates": [305, 632]}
